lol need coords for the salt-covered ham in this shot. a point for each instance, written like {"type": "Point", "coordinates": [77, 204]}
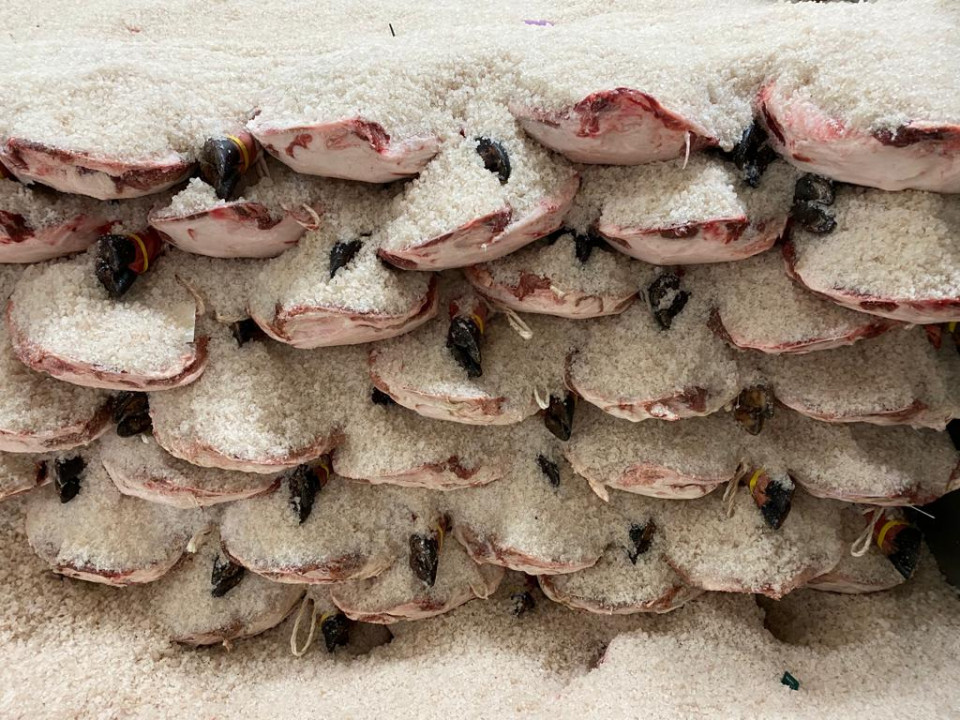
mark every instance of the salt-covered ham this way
{"type": "Point", "coordinates": [20, 473]}
{"type": "Point", "coordinates": [145, 341]}
{"type": "Point", "coordinates": [196, 610]}
{"type": "Point", "coordinates": [102, 536]}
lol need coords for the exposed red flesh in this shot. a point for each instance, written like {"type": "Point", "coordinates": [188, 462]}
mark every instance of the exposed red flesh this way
{"type": "Point", "coordinates": [614, 127]}
{"type": "Point", "coordinates": [352, 149]}
{"type": "Point", "coordinates": [237, 230]}
{"type": "Point", "coordinates": [920, 155]}
{"type": "Point", "coordinates": [313, 327]}
{"type": "Point", "coordinates": [85, 173]}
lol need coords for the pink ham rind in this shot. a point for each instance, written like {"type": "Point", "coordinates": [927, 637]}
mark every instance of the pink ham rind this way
{"type": "Point", "coordinates": [468, 410]}
{"type": "Point", "coordinates": [448, 475]}
{"type": "Point", "coordinates": [22, 244]}
{"type": "Point", "coordinates": [191, 366]}
{"type": "Point", "coordinates": [488, 550]}
{"type": "Point", "coordinates": [712, 241]}
{"type": "Point", "coordinates": [38, 478]}
{"type": "Point", "coordinates": [205, 455]}
{"type": "Point", "coordinates": [672, 599]}
{"type": "Point", "coordinates": [237, 230]}
{"type": "Point", "coordinates": [920, 312]}
{"type": "Point", "coordinates": [85, 173]}
{"type": "Point", "coordinates": [614, 127]}
{"type": "Point", "coordinates": [309, 327]}
{"type": "Point", "coordinates": [533, 294]}
{"type": "Point", "coordinates": [347, 567]}
{"type": "Point", "coordinates": [487, 238]}
{"type": "Point", "coordinates": [838, 582]}
{"type": "Point", "coordinates": [652, 480]}
{"type": "Point", "coordinates": [83, 432]}
{"type": "Point", "coordinates": [916, 413]}
{"type": "Point", "coordinates": [351, 149]}
{"type": "Point", "coordinates": [918, 494]}
{"type": "Point", "coordinates": [239, 630]}
{"type": "Point", "coordinates": [156, 489]}
{"type": "Point", "coordinates": [733, 585]}
{"type": "Point", "coordinates": [920, 155]}
{"type": "Point", "coordinates": [869, 329]}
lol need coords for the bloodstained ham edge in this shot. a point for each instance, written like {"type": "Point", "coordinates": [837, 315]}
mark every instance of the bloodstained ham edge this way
{"type": "Point", "coordinates": [487, 549]}
{"type": "Point", "coordinates": [22, 244]}
{"type": "Point", "coordinates": [86, 173]}
{"type": "Point", "coordinates": [709, 241]}
{"type": "Point", "coordinates": [614, 127]}
{"type": "Point", "coordinates": [237, 230]}
{"type": "Point", "coordinates": [676, 596]}
{"type": "Point", "coordinates": [351, 149]}
{"type": "Point", "coordinates": [309, 327]}
{"type": "Point", "coordinates": [191, 366]}
{"type": "Point", "coordinates": [906, 310]}
{"type": "Point", "coordinates": [534, 294]}
{"type": "Point", "coordinates": [488, 237]}
{"type": "Point", "coordinates": [920, 155]}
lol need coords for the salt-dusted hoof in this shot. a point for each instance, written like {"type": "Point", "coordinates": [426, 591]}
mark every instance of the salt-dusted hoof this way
{"type": "Point", "coordinates": [236, 230]}
{"type": "Point", "coordinates": [312, 327]}
{"type": "Point", "coordinates": [343, 537]}
{"type": "Point", "coordinates": [195, 611]}
{"type": "Point", "coordinates": [85, 173]}
{"type": "Point", "coordinates": [614, 127]}
{"type": "Point", "coordinates": [398, 594]}
{"type": "Point", "coordinates": [534, 294]}
{"type": "Point", "coordinates": [741, 553]}
{"type": "Point", "coordinates": [871, 572]}
{"type": "Point", "coordinates": [141, 468]}
{"type": "Point", "coordinates": [920, 155]}
{"type": "Point", "coordinates": [21, 473]}
{"type": "Point", "coordinates": [191, 365]}
{"type": "Point", "coordinates": [714, 241]}
{"type": "Point", "coordinates": [463, 246]}
{"type": "Point", "coordinates": [487, 238]}
{"type": "Point", "coordinates": [489, 549]}
{"type": "Point", "coordinates": [133, 542]}
{"type": "Point", "coordinates": [22, 244]}
{"type": "Point", "coordinates": [918, 312]}
{"type": "Point", "coordinates": [651, 586]}
{"type": "Point", "coordinates": [352, 149]}
{"type": "Point", "coordinates": [869, 329]}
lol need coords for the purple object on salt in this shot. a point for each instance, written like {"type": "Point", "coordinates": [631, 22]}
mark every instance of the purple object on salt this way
{"type": "Point", "coordinates": [541, 23]}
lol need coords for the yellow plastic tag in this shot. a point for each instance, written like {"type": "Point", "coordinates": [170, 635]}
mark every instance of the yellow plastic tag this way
{"type": "Point", "coordinates": [754, 478]}
{"type": "Point", "coordinates": [243, 151]}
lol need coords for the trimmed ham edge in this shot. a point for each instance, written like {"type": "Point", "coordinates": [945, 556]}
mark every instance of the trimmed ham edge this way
{"type": "Point", "coordinates": [80, 433]}
{"type": "Point", "coordinates": [920, 312]}
{"type": "Point", "coordinates": [30, 245]}
{"type": "Point", "coordinates": [90, 375]}
{"type": "Point", "coordinates": [347, 567]}
{"type": "Point", "coordinates": [86, 173]}
{"type": "Point", "coordinates": [535, 294]}
{"type": "Point", "coordinates": [488, 237]}
{"type": "Point", "coordinates": [206, 455]}
{"type": "Point", "coordinates": [350, 149]}
{"type": "Point", "coordinates": [308, 327]}
{"type": "Point", "coordinates": [710, 241]}
{"type": "Point", "coordinates": [449, 474]}
{"type": "Point", "coordinates": [621, 126]}
{"type": "Point", "coordinates": [236, 230]}
{"type": "Point", "coordinates": [487, 550]}
{"type": "Point", "coordinates": [677, 596]}
{"type": "Point", "coordinates": [920, 156]}
{"type": "Point", "coordinates": [776, 592]}
{"type": "Point", "coordinates": [238, 630]}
